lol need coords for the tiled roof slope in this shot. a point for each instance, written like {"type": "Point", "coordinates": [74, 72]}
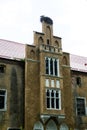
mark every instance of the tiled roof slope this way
{"type": "Point", "coordinates": [78, 63]}
{"type": "Point", "coordinates": [11, 50]}
{"type": "Point", "coordinates": [15, 50]}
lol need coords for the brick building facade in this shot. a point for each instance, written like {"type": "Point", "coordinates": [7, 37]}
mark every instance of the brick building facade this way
{"type": "Point", "coordinates": [40, 86]}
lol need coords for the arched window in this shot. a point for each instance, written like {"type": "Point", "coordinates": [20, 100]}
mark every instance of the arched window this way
{"type": "Point", "coordinates": [32, 54]}
{"type": "Point", "coordinates": [64, 60]}
{"type": "Point", "coordinates": [48, 33]}
{"type": "Point", "coordinates": [56, 43]}
{"type": "Point", "coordinates": [40, 40]}
{"type": "Point", "coordinates": [64, 127]}
{"type": "Point", "coordinates": [38, 126]}
{"type": "Point", "coordinates": [51, 125]}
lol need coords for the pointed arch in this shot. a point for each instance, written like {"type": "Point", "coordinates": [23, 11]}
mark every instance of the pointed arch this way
{"type": "Point", "coordinates": [56, 43]}
{"type": "Point", "coordinates": [64, 60]}
{"type": "Point", "coordinates": [48, 33]}
{"type": "Point", "coordinates": [38, 126]}
{"type": "Point", "coordinates": [51, 125]}
{"type": "Point", "coordinates": [40, 40]}
{"type": "Point", "coordinates": [64, 127]}
{"type": "Point", "coordinates": [32, 54]}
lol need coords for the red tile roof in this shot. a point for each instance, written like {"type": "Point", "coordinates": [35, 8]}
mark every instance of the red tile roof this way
{"type": "Point", "coordinates": [11, 50]}
{"type": "Point", "coordinates": [78, 63]}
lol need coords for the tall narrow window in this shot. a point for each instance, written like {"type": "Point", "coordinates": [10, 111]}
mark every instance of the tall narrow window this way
{"type": "Point", "coordinates": [57, 100]}
{"type": "Point", "coordinates": [47, 66]}
{"type": "Point", "coordinates": [51, 66]}
{"type": "Point", "coordinates": [52, 99]}
{"type": "Point", "coordinates": [2, 99]}
{"type": "Point", "coordinates": [78, 81]}
{"type": "Point", "coordinates": [47, 41]}
{"type": "Point", "coordinates": [55, 64]}
{"type": "Point", "coordinates": [80, 103]}
{"type": "Point", "coordinates": [48, 98]}
{"type": "Point", "coordinates": [2, 68]}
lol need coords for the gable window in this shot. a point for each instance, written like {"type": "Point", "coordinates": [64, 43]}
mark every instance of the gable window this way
{"type": "Point", "coordinates": [52, 66]}
{"type": "Point", "coordinates": [53, 99]}
{"type": "Point", "coordinates": [2, 100]}
{"type": "Point", "coordinates": [2, 68]}
{"type": "Point", "coordinates": [80, 105]}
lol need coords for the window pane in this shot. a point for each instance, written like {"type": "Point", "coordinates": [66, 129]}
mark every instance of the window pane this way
{"type": "Point", "coordinates": [57, 94]}
{"type": "Point", "coordinates": [2, 92]}
{"type": "Point", "coordinates": [47, 66]}
{"type": "Point", "coordinates": [47, 82]}
{"type": "Point", "coordinates": [52, 102]}
{"type": "Point", "coordinates": [51, 66]}
{"type": "Point", "coordinates": [48, 102]}
{"type": "Point", "coordinates": [55, 65]}
{"type": "Point", "coordinates": [57, 84]}
{"type": "Point", "coordinates": [52, 83]}
{"type": "Point", "coordinates": [57, 103]}
{"type": "Point", "coordinates": [80, 106]}
{"type": "Point", "coordinates": [52, 94]}
{"type": "Point", "coordinates": [2, 102]}
{"type": "Point", "coordinates": [48, 93]}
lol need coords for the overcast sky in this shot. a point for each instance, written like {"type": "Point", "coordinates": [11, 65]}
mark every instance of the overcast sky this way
{"type": "Point", "coordinates": [19, 18]}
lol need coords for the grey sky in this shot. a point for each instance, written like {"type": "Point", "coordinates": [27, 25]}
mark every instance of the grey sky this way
{"type": "Point", "coordinates": [19, 18]}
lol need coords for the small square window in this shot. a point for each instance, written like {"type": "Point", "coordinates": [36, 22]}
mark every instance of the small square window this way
{"type": "Point", "coordinates": [47, 82]}
{"type": "Point", "coordinates": [52, 83]}
{"type": "Point", "coordinates": [57, 84]}
{"type": "Point", "coordinates": [2, 100]}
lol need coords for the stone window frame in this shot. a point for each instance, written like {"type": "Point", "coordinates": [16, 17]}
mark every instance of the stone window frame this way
{"type": "Point", "coordinates": [81, 107]}
{"type": "Point", "coordinates": [53, 101]}
{"type": "Point", "coordinates": [52, 66]}
{"type": "Point", "coordinates": [4, 98]}
{"type": "Point", "coordinates": [13, 128]}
